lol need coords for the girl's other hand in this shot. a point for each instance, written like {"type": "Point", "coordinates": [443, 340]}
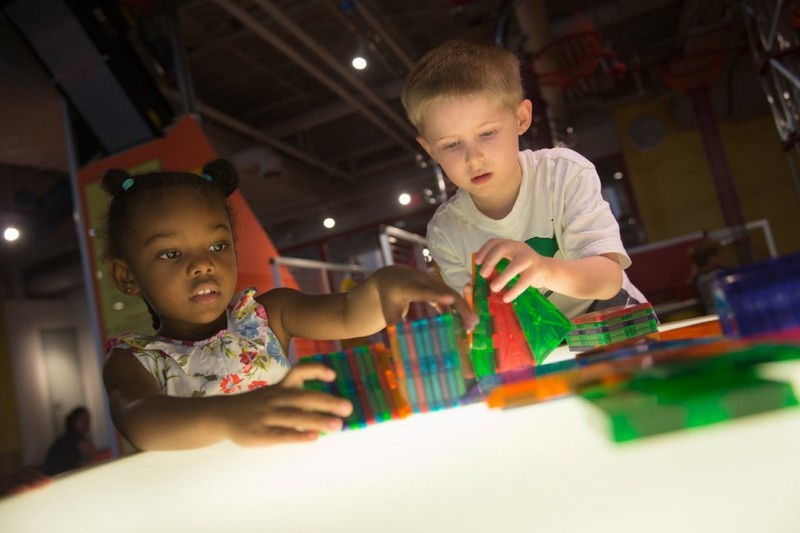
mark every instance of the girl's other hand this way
{"type": "Point", "coordinates": [284, 412]}
{"type": "Point", "coordinates": [399, 286]}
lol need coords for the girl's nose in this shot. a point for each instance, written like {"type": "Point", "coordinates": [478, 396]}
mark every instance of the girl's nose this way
{"type": "Point", "coordinates": [201, 264]}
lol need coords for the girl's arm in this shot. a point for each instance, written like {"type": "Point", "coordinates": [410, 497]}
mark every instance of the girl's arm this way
{"type": "Point", "coordinates": [381, 299]}
{"type": "Point", "coordinates": [151, 420]}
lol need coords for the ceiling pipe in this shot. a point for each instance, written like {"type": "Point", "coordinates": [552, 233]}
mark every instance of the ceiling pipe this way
{"type": "Point", "coordinates": [240, 127]}
{"type": "Point", "coordinates": [266, 35]}
{"type": "Point", "coordinates": [344, 71]}
{"type": "Point", "coordinates": [327, 113]}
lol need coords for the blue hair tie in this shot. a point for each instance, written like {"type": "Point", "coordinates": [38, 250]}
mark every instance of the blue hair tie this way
{"type": "Point", "coordinates": [127, 184]}
{"type": "Point", "coordinates": [206, 177]}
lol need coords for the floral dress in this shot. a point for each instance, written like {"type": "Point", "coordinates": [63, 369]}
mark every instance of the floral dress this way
{"type": "Point", "coordinates": [244, 356]}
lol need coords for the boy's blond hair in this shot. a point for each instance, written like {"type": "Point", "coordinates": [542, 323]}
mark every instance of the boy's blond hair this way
{"type": "Point", "coordinates": [462, 68]}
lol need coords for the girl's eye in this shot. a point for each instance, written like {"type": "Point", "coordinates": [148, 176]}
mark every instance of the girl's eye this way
{"type": "Point", "coordinates": [450, 146]}
{"type": "Point", "coordinates": [169, 254]}
{"type": "Point", "coordinates": [218, 247]}
{"type": "Point", "coordinates": [488, 133]}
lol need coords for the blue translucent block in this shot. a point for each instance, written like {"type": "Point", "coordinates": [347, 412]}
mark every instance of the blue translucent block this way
{"type": "Point", "coordinates": [426, 359]}
{"type": "Point", "coordinates": [759, 298]}
{"type": "Point", "coordinates": [441, 364]}
{"type": "Point", "coordinates": [449, 347]}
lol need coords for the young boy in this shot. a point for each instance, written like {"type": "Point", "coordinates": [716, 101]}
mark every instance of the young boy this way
{"type": "Point", "coordinates": [542, 210]}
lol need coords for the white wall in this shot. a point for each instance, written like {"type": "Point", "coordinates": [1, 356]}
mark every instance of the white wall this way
{"type": "Point", "coordinates": [24, 320]}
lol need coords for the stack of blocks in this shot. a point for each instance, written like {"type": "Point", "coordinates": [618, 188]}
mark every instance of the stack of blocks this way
{"type": "Point", "coordinates": [615, 324]}
{"type": "Point", "coordinates": [423, 371]}
{"type": "Point", "coordinates": [516, 335]}
{"type": "Point", "coordinates": [431, 361]}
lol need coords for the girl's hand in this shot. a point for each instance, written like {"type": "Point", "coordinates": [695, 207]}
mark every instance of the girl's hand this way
{"type": "Point", "coordinates": [533, 269]}
{"type": "Point", "coordinates": [285, 412]}
{"type": "Point", "coordinates": [399, 286]}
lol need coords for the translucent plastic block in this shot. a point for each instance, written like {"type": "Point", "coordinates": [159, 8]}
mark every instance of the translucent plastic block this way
{"type": "Point", "coordinates": [544, 326]}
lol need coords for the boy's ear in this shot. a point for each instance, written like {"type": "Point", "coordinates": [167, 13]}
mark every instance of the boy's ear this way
{"type": "Point", "coordinates": [122, 277]}
{"type": "Point", "coordinates": [524, 116]}
{"type": "Point", "coordinates": [425, 146]}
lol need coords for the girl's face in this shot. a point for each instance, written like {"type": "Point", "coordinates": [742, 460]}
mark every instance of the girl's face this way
{"type": "Point", "coordinates": [182, 260]}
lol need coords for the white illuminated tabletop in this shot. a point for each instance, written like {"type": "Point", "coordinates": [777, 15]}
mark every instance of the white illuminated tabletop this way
{"type": "Point", "coordinates": [537, 468]}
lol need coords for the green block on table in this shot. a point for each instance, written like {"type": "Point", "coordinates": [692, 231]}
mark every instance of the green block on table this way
{"type": "Point", "coordinates": [482, 349]}
{"type": "Point", "coordinates": [650, 404]}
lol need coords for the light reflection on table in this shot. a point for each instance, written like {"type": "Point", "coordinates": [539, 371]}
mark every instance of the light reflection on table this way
{"type": "Point", "coordinates": [538, 468]}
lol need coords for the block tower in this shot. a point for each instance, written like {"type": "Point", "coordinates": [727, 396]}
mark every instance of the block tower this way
{"type": "Point", "coordinates": [512, 335]}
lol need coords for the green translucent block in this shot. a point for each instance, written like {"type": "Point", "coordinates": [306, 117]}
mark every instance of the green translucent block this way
{"type": "Point", "coordinates": [315, 384]}
{"type": "Point", "coordinates": [347, 388]}
{"type": "Point", "coordinates": [583, 339]}
{"type": "Point", "coordinates": [619, 321]}
{"type": "Point", "coordinates": [482, 350]}
{"type": "Point", "coordinates": [654, 403]}
{"type": "Point", "coordinates": [544, 326]}
{"type": "Point", "coordinates": [369, 376]}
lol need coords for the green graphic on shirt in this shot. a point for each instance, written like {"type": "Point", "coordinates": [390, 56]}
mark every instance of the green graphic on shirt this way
{"type": "Point", "coordinates": [546, 247]}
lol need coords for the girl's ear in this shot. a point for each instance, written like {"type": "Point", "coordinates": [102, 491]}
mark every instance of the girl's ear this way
{"type": "Point", "coordinates": [122, 277]}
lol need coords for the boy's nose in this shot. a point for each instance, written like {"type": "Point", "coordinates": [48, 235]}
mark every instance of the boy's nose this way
{"type": "Point", "coordinates": [474, 157]}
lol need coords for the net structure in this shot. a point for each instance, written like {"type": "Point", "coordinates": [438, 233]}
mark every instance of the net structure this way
{"type": "Point", "coordinates": [689, 71]}
{"type": "Point", "coordinates": [574, 58]}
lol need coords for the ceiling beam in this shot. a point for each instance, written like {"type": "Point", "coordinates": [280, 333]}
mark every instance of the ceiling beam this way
{"type": "Point", "coordinates": [240, 127]}
{"type": "Point", "coordinates": [268, 36]}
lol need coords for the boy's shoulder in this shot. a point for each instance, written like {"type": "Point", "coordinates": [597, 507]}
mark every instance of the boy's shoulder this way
{"type": "Point", "coordinates": [558, 153]}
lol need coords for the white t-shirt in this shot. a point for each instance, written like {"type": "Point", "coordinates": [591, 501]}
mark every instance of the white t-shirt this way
{"type": "Point", "coordinates": [559, 212]}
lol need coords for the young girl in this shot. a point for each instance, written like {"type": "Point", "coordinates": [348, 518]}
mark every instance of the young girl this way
{"type": "Point", "coordinates": [216, 367]}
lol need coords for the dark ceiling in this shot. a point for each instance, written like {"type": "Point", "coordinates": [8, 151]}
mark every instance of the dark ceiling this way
{"type": "Point", "coordinates": [311, 136]}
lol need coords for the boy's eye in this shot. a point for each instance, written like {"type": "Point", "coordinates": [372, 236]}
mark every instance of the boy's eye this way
{"type": "Point", "coordinates": [450, 146]}
{"type": "Point", "coordinates": [169, 254]}
{"type": "Point", "coordinates": [488, 133]}
{"type": "Point", "coordinates": [218, 247]}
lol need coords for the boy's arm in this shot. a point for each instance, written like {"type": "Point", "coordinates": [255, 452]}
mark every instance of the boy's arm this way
{"type": "Point", "coordinates": [589, 278]}
{"type": "Point", "coordinates": [381, 299]}
{"type": "Point", "coordinates": [151, 420]}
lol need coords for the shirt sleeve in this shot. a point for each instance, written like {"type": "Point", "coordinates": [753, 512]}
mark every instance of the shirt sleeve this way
{"type": "Point", "coordinates": [588, 227]}
{"type": "Point", "coordinates": [451, 267]}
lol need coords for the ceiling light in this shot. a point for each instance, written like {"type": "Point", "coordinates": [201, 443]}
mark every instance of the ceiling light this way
{"type": "Point", "coordinates": [359, 62]}
{"type": "Point", "coordinates": [11, 234]}
{"type": "Point", "coordinates": [404, 199]}
{"type": "Point", "coordinates": [329, 222]}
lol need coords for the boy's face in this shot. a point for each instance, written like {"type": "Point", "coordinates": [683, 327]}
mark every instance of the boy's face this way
{"type": "Point", "coordinates": [182, 260]}
{"type": "Point", "coordinates": [475, 139]}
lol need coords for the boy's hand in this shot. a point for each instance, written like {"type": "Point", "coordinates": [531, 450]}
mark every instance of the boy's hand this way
{"type": "Point", "coordinates": [533, 269]}
{"type": "Point", "coordinates": [285, 412]}
{"type": "Point", "coordinates": [399, 286]}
